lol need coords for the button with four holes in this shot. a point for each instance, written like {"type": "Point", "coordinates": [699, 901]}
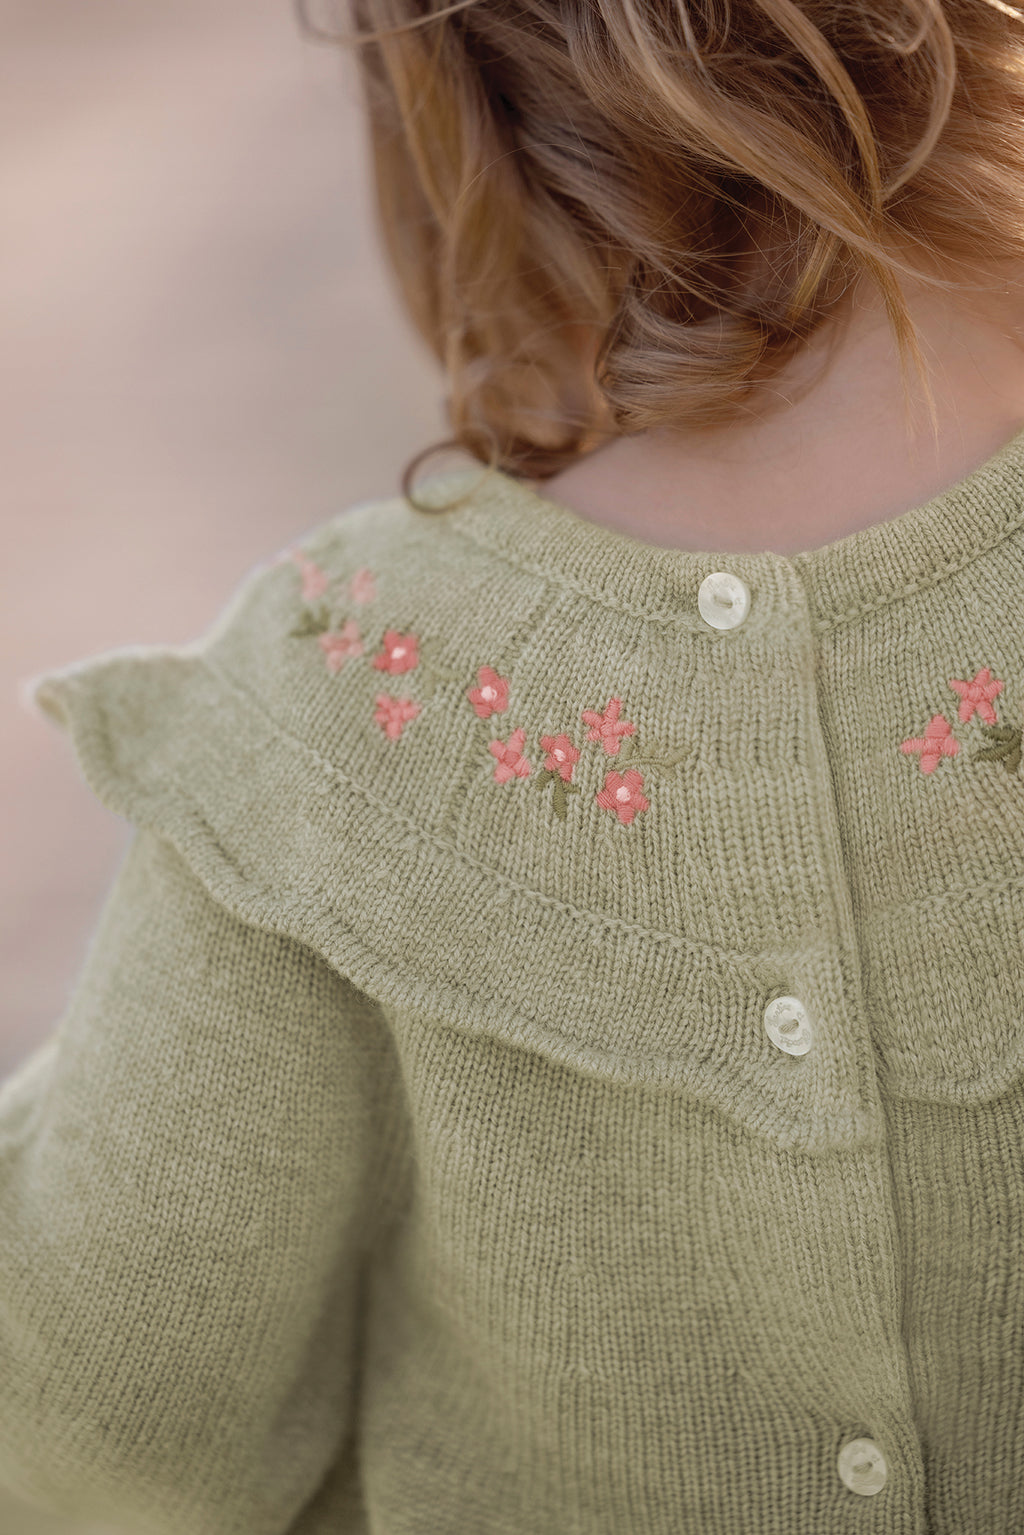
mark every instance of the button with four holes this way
{"type": "Point", "coordinates": [788, 1026]}
{"type": "Point", "coordinates": [723, 600]}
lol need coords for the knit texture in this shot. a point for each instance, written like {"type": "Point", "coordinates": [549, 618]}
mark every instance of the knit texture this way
{"type": "Point", "coordinates": [424, 1150]}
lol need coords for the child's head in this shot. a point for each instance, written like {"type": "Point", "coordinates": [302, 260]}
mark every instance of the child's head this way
{"type": "Point", "coordinates": [612, 215]}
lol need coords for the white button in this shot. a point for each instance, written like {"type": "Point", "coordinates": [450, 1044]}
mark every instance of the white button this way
{"type": "Point", "coordinates": [788, 1025]}
{"type": "Point", "coordinates": [862, 1466]}
{"type": "Point", "coordinates": [723, 600]}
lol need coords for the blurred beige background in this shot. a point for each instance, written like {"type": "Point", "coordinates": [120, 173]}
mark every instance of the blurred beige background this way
{"type": "Point", "coordinates": [202, 356]}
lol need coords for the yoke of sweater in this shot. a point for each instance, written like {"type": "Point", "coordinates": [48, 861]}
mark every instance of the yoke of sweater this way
{"type": "Point", "coordinates": [496, 764]}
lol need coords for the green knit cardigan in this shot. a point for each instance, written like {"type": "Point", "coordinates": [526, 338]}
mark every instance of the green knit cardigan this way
{"type": "Point", "coordinates": [552, 1059]}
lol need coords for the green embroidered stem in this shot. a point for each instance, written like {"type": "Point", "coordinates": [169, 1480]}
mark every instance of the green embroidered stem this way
{"type": "Point", "coordinates": [628, 754]}
{"type": "Point", "coordinates": [1006, 748]}
{"type": "Point", "coordinates": [560, 790]}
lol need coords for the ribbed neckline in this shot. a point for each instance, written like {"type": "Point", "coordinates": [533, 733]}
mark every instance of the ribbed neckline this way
{"type": "Point", "coordinates": [844, 580]}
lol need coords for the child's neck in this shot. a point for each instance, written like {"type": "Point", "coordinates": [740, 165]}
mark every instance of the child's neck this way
{"type": "Point", "coordinates": [836, 461]}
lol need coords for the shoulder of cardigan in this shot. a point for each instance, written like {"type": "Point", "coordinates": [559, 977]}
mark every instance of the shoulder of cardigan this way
{"type": "Point", "coordinates": [392, 746]}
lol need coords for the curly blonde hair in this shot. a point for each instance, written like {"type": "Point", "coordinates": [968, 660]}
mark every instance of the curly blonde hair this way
{"type": "Point", "coordinates": [611, 215]}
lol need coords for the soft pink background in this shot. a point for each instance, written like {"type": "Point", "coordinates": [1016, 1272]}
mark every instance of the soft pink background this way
{"type": "Point", "coordinates": [202, 356]}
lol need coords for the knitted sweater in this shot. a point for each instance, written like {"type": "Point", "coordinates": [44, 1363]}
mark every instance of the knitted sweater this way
{"type": "Point", "coordinates": [551, 1061]}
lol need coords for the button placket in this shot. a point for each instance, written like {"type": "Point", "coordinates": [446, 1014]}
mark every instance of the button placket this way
{"type": "Point", "coordinates": [723, 601]}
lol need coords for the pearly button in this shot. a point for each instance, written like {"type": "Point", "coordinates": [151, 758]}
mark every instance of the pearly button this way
{"type": "Point", "coordinates": [862, 1466]}
{"type": "Point", "coordinates": [788, 1026]}
{"type": "Point", "coordinates": [723, 600]}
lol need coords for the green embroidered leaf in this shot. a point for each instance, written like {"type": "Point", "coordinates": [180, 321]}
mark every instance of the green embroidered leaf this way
{"type": "Point", "coordinates": [1006, 748]}
{"type": "Point", "coordinates": [311, 621]}
{"type": "Point", "coordinates": [627, 748]}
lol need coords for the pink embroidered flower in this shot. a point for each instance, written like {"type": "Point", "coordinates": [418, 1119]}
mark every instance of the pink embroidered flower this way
{"type": "Point", "coordinates": [338, 647]}
{"type": "Point", "coordinates": [314, 580]}
{"type": "Point", "coordinates": [561, 757]}
{"type": "Point", "coordinates": [621, 793]}
{"type": "Point", "coordinates": [399, 653]}
{"type": "Point", "coordinates": [977, 695]}
{"type": "Point", "coordinates": [511, 762]}
{"type": "Point", "coordinates": [607, 727]}
{"type": "Point", "coordinates": [362, 586]}
{"type": "Point", "coordinates": [935, 744]}
{"type": "Point", "coordinates": [491, 697]}
{"type": "Point", "coordinates": [393, 714]}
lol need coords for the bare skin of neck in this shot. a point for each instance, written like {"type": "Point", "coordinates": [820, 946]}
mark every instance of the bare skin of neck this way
{"type": "Point", "coordinates": [836, 460]}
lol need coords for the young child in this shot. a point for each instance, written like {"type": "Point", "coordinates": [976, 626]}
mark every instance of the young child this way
{"type": "Point", "coordinates": [552, 1062]}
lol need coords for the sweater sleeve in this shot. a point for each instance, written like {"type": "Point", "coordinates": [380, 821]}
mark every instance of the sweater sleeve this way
{"type": "Point", "coordinates": [193, 1171]}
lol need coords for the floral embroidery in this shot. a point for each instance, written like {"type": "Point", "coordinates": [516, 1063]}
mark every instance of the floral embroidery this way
{"type": "Point", "coordinates": [338, 647]}
{"type": "Point", "coordinates": [399, 653]}
{"type": "Point", "coordinates": [607, 727]}
{"type": "Point", "coordinates": [561, 757]}
{"type": "Point", "coordinates": [340, 640]}
{"type": "Point", "coordinates": [511, 762]}
{"type": "Point", "coordinates": [362, 586]}
{"type": "Point", "coordinates": [314, 581]}
{"type": "Point", "coordinates": [392, 714]}
{"type": "Point", "coordinates": [622, 794]}
{"type": "Point", "coordinates": [491, 696]}
{"type": "Point", "coordinates": [623, 791]}
{"type": "Point", "coordinates": [934, 744]}
{"type": "Point", "coordinates": [976, 697]}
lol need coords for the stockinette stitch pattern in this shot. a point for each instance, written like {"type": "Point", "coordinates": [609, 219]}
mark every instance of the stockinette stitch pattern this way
{"type": "Point", "coordinates": [551, 1059]}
